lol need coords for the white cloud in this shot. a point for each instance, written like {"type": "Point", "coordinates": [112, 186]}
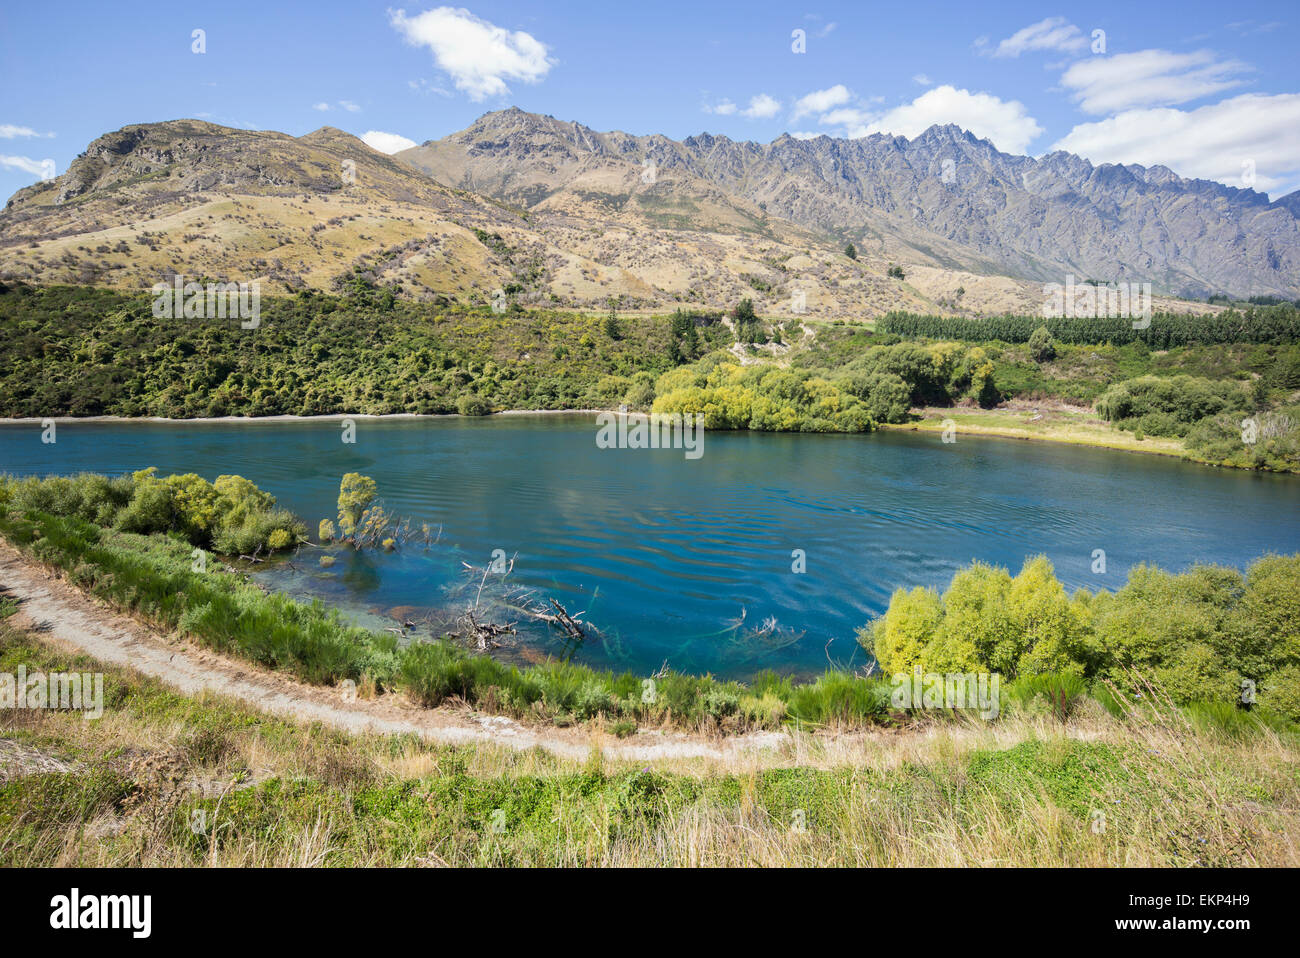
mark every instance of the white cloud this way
{"type": "Point", "coordinates": [762, 107]}
{"type": "Point", "coordinates": [1054, 33]}
{"type": "Point", "coordinates": [1211, 142]}
{"type": "Point", "coordinates": [10, 132]}
{"type": "Point", "coordinates": [386, 142]}
{"type": "Point", "coordinates": [825, 30]}
{"type": "Point", "coordinates": [349, 106]}
{"type": "Point", "coordinates": [41, 168]}
{"type": "Point", "coordinates": [923, 80]}
{"type": "Point", "coordinates": [819, 101]}
{"type": "Point", "coordinates": [852, 120]}
{"type": "Point", "coordinates": [721, 108]}
{"type": "Point", "coordinates": [478, 55]}
{"type": "Point", "coordinates": [1148, 78]}
{"type": "Point", "coordinates": [1251, 27]}
{"type": "Point", "coordinates": [424, 86]}
{"type": "Point", "coordinates": [323, 107]}
{"type": "Point", "coordinates": [1005, 122]}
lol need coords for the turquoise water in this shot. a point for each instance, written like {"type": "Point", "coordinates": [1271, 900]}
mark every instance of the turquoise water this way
{"type": "Point", "coordinates": [690, 561]}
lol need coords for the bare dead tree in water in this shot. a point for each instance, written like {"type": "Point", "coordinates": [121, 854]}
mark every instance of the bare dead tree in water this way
{"type": "Point", "coordinates": [559, 616]}
{"type": "Point", "coordinates": [482, 634]}
{"type": "Point", "coordinates": [769, 636]}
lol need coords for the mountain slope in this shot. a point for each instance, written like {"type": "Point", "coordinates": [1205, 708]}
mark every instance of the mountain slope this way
{"type": "Point", "coordinates": [201, 199]}
{"type": "Point", "coordinates": [208, 201]}
{"type": "Point", "coordinates": [556, 214]}
{"type": "Point", "coordinates": [944, 198]}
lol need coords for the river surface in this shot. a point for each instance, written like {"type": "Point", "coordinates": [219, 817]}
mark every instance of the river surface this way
{"type": "Point", "coordinates": [692, 561]}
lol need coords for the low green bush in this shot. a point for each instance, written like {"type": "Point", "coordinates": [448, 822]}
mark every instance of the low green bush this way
{"type": "Point", "coordinates": [230, 516]}
{"type": "Point", "coordinates": [1168, 405]}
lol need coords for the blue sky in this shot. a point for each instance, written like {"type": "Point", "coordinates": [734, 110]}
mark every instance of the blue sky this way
{"type": "Point", "coordinates": [1209, 89]}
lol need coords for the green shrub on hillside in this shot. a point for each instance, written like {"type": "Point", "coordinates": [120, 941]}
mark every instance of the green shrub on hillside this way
{"type": "Point", "coordinates": [936, 374]}
{"type": "Point", "coordinates": [1013, 626]}
{"type": "Point", "coordinates": [82, 352]}
{"type": "Point", "coordinates": [1221, 440]}
{"type": "Point", "coordinates": [886, 396]}
{"type": "Point", "coordinates": [1281, 693]}
{"type": "Point", "coordinates": [1042, 348]}
{"type": "Point", "coordinates": [1167, 406]}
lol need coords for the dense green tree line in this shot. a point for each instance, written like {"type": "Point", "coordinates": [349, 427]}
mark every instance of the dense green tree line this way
{"type": "Point", "coordinates": [83, 352]}
{"type": "Point", "coordinates": [1254, 324]}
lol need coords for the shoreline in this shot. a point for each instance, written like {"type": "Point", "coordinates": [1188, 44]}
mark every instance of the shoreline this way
{"type": "Point", "coordinates": [291, 417]}
{"type": "Point", "coordinates": [1004, 432]}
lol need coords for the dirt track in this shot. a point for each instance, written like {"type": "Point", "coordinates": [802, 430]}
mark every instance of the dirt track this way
{"type": "Point", "coordinates": [63, 613]}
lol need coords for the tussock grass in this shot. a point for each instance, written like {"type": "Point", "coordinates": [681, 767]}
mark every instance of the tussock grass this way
{"type": "Point", "coordinates": [1025, 791]}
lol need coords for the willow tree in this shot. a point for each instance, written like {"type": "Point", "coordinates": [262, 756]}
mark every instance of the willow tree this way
{"type": "Point", "coordinates": [356, 492]}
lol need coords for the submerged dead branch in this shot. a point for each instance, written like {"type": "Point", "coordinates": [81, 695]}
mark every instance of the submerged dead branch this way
{"type": "Point", "coordinates": [570, 624]}
{"type": "Point", "coordinates": [482, 636]}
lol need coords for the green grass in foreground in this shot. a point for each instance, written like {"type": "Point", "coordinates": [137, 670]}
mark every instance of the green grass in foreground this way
{"type": "Point", "coordinates": [167, 780]}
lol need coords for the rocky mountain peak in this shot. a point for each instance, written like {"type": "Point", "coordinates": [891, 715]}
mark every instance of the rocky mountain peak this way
{"type": "Point", "coordinates": [1033, 218]}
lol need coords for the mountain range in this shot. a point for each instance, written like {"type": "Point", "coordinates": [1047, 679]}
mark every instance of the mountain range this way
{"type": "Point", "coordinates": [559, 214]}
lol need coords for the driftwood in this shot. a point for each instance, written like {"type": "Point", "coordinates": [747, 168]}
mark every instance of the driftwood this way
{"type": "Point", "coordinates": [570, 624]}
{"type": "Point", "coordinates": [483, 635]}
